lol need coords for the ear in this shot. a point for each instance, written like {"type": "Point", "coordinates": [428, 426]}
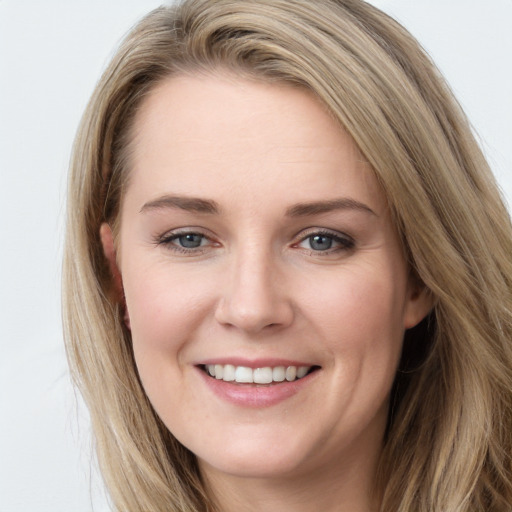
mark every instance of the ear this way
{"type": "Point", "coordinates": [420, 302]}
{"type": "Point", "coordinates": [107, 241]}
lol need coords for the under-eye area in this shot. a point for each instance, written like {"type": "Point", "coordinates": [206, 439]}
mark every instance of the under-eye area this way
{"type": "Point", "coordinates": [265, 375]}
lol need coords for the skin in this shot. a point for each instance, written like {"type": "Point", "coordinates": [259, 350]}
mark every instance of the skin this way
{"type": "Point", "coordinates": [257, 287]}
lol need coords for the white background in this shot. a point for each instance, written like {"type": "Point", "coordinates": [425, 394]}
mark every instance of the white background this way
{"type": "Point", "coordinates": [51, 55]}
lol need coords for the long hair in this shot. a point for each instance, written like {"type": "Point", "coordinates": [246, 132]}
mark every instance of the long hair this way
{"type": "Point", "coordinates": [448, 443]}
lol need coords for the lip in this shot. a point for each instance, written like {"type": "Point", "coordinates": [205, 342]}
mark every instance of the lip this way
{"type": "Point", "coordinates": [255, 395]}
{"type": "Point", "coordinates": [254, 363]}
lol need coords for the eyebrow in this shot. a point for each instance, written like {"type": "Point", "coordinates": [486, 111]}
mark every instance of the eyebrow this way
{"type": "Point", "coordinates": [319, 207]}
{"type": "Point", "coordinates": [190, 204]}
{"type": "Point", "coordinates": [199, 205]}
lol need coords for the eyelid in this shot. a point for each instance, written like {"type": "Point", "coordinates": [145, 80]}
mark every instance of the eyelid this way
{"type": "Point", "coordinates": [345, 241]}
{"type": "Point", "coordinates": [168, 237]}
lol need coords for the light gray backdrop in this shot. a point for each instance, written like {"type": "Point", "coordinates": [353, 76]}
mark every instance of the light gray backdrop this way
{"type": "Point", "coordinates": [51, 55]}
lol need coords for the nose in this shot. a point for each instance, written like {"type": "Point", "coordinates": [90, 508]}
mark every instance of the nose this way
{"type": "Point", "coordinates": [254, 295]}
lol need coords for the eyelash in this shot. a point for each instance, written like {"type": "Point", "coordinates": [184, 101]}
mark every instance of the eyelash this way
{"type": "Point", "coordinates": [344, 241]}
{"type": "Point", "coordinates": [167, 240]}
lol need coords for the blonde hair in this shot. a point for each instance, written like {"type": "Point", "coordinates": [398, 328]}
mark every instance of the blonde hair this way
{"type": "Point", "coordinates": [448, 445]}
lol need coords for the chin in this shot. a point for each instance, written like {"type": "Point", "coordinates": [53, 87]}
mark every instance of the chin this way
{"type": "Point", "coordinates": [260, 466]}
{"type": "Point", "coordinates": [271, 457]}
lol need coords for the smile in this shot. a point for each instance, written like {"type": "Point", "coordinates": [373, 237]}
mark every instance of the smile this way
{"type": "Point", "coordinates": [265, 375]}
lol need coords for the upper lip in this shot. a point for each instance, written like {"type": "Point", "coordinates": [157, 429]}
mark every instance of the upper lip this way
{"type": "Point", "coordinates": [254, 363]}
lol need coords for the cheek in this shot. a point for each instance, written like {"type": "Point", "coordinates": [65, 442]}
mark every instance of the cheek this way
{"type": "Point", "coordinates": [166, 309]}
{"type": "Point", "coordinates": [365, 303]}
{"type": "Point", "coordinates": [366, 340]}
{"type": "Point", "coordinates": [358, 321]}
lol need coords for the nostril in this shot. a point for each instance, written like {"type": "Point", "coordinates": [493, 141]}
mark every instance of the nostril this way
{"type": "Point", "coordinates": [253, 300]}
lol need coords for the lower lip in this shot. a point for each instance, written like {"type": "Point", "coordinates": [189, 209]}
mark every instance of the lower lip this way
{"type": "Point", "coordinates": [256, 395]}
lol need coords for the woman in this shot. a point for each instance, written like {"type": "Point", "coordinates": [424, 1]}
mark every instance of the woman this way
{"type": "Point", "coordinates": [287, 270]}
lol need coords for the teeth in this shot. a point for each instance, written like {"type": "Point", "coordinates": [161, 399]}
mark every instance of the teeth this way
{"type": "Point", "coordinates": [243, 374]}
{"type": "Point", "coordinates": [229, 373]}
{"type": "Point", "coordinates": [262, 375]}
{"type": "Point", "coordinates": [219, 371]}
{"type": "Point", "coordinates": [301, 371]}
{"type": "Point", "coordinates": [266, 375]}
{"type": "Point", "coordinates": [291, 373]}
{"type": "Point", "coordinates": [278, 374]}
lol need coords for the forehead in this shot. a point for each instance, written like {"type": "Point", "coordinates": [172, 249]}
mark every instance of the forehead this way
{"type": "Point", "coordinates": [210, 134]}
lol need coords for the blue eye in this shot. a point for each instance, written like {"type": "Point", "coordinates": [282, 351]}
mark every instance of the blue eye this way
{"type": "Point", "coordinates": [320, 242]}
{"type": "Point", "coordinates": [189, 240]}
{"type": "Point", "coordinates": [327, 242]}
{"type": "Point", "coordinates": [184, 241]}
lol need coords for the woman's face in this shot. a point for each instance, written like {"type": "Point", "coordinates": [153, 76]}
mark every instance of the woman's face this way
{"type": "Point", "coordinates": [256, 245]}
